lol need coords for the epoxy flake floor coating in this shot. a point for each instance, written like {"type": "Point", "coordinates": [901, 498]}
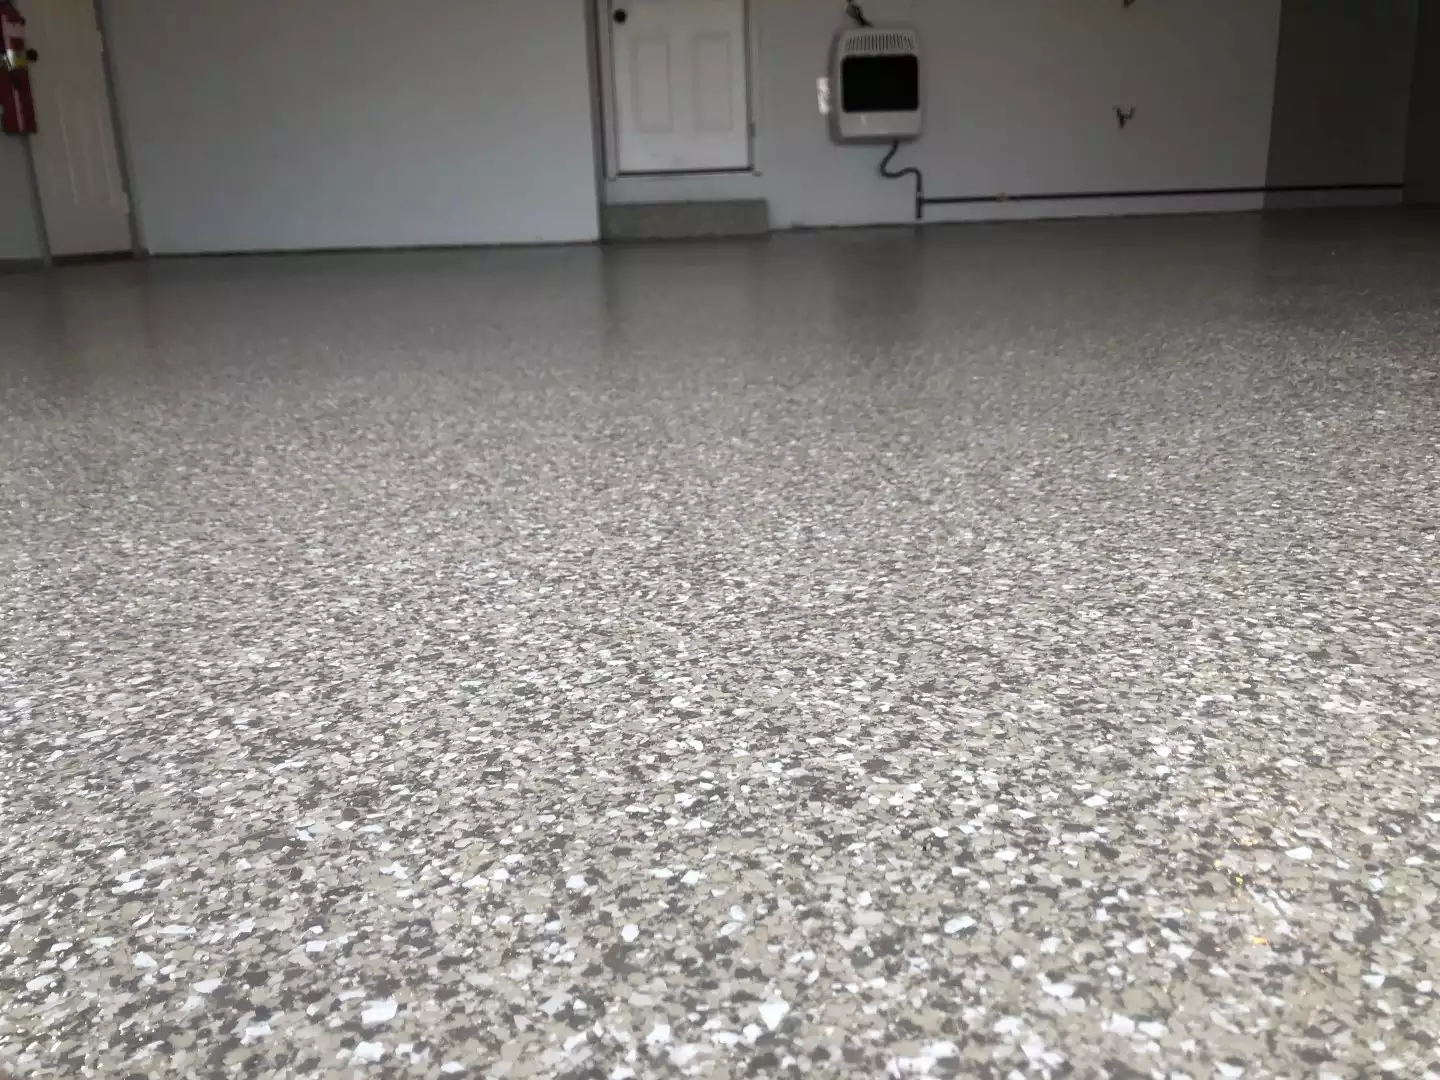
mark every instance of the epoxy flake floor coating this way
{"type": "Point", "coordinates": [997, 651]}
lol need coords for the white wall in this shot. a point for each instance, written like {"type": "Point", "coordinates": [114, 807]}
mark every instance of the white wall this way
{"type": "Point", "coordinates": [276, 124]}
{"type": "Point", "coordinates": [17, 212]}
{"type": "Point", "coordinates": [1342, 92]}
{"type": "Point", "coordinates": [294, 124]}
{"type": "Point", "coordinates": [1422, 167]}
{"type": "Point", "coordinates": [1020, 99]}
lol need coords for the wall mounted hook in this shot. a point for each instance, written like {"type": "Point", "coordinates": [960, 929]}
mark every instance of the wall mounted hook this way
{"type": "Point", "coordinates": [1124, 116]}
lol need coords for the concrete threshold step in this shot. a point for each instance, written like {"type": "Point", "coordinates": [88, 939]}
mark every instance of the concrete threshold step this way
{"type": "Point", "coordinates": [684, 220]}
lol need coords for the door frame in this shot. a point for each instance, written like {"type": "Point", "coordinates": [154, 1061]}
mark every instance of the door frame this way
{"type": "Point", "coordinates": [37, 205]}
{"type": "Point", "coordinates": [608, 144]}
{"type": "Point", "coordinates": [122, 142]}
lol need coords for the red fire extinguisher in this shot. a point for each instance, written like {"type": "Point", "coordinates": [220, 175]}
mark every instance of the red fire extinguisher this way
{"type": "Point", "coordinates": [17, 102]}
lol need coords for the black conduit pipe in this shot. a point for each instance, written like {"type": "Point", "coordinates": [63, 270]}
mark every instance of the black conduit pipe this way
{"type": "Point", "coordinates": [922, 200]}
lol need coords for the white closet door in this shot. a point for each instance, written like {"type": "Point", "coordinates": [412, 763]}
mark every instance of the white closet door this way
{"type": "Point", "coordinates": [76, 157]}
{"type": "Point", "coordinates": [681, 103]}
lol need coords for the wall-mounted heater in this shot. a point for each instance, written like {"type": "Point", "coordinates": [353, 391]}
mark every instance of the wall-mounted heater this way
{"type": "Point", "coordinates": [877, 85]}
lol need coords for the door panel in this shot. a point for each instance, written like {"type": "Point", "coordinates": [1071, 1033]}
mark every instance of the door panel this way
{"type": "Point", "coordinates": [681, 101]}
{"type": "Point", "coordinates": [654, 112]}
{"type": "Point", "coordinates": [76, 158]}
{"type": "Point", "coordinates": [714, 68]}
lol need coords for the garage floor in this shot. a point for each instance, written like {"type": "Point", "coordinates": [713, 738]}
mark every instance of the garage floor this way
{"type": "Point", "coordinates": [998, 648]}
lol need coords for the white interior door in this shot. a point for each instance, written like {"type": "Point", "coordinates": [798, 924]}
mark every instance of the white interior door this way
{"type": "Point", "coordinates": [681, 102]}
{"type": "Point", "coordinates": [76, 158]}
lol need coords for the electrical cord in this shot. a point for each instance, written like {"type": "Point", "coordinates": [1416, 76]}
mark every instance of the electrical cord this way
{"type": "Point", "coordinates": [900, 174]}
{"type": "Point", "coordinates": [856, 12]}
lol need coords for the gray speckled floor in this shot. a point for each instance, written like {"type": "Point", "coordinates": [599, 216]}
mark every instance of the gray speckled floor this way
{"type": "Point", "coordinates": [1006, 651]}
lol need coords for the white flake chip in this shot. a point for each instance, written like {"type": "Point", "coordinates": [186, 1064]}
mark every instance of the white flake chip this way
{"type": "Point", "coordinates": [378, 1012]}
{"type": "Point", "coordinates": [1120, 1025]}
{"type": "Point", "coordinates": [368, 1051]}
{"type": "Point", "coordinates": [774, 1011]}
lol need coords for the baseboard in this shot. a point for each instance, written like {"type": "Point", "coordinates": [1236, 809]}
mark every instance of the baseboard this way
{"type": "Point", "coordinates": [367, 249]}
{"type": "Point", "coordinates": [93, 258]}
{"type": "Point", "coordinates": [16, 266]}
{"type": "Point", "coordinates": [1320, 199]}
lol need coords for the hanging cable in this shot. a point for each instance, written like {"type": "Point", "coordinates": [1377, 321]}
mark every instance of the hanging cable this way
{"type": "Point", "coordinates": [900, 174]}
{"type": "Point", "coordinates": [856, 12]}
